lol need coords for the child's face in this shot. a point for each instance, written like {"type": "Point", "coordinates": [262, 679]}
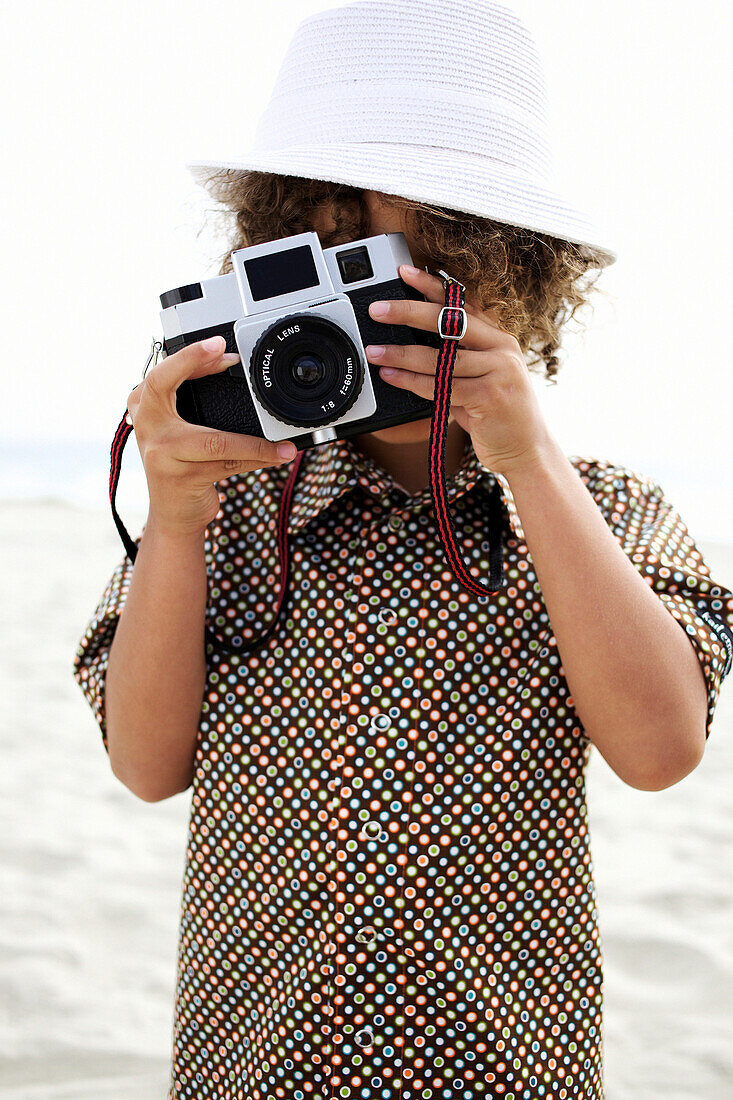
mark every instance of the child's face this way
{"type": "Point", "coordinates": [385, 219]}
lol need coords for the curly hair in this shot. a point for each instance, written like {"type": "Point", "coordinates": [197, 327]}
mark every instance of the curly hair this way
{"type": "Point", "coordinates": [534, 282]}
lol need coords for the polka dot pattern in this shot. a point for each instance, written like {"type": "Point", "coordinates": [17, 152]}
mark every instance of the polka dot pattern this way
{"type": "Point", "coordinates": [389, 887]}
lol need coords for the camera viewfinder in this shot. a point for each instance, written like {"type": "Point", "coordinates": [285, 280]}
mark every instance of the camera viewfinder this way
{"type": "Point", "coordinates": [354, 264]}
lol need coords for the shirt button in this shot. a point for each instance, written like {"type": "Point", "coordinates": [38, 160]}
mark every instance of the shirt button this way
{"type": "Point", "coordinates": [367, 935]}
{"type": "Point", "coordinates": [381, 722]}
{"type": "Point", "coordinates": [372, 830]}
{"type": "Point", "coordinates": [365, 1037]}
{"type": "Point", "coordinates": [396, 522]}
{"type": "Point", "coordinates": [388, 616]}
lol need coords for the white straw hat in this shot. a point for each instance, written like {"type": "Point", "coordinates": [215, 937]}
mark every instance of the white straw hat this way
{"type": "Point", "coordinates": [440, 101]}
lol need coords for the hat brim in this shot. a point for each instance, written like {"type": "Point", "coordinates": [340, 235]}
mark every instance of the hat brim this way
{"type": "Point", "coordinates": [453, 179]}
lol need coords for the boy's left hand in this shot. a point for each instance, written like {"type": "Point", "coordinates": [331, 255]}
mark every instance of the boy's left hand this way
{"type": "Point", "coordinates": [491, 393]}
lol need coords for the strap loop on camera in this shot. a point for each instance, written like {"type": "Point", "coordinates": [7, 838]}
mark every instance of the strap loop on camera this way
{"type": "Point", "coordinates": [451, 318]}
{"type": "Point", "coordinates": [155, 350]}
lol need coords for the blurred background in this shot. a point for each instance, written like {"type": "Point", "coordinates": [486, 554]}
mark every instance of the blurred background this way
{"type": "Point", "coordinates": [106, 104]}
{"type": "Point", "coordinates": [103, 105]}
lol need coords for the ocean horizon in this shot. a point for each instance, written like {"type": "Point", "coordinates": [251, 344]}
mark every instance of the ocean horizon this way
{"type": "Point", "coordinates": [76, 472]}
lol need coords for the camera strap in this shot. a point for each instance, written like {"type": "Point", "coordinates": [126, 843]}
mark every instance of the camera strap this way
{"type": "Point", "coordinates": [124, 430]}
{"type": "Point", "coordinates": [451, 327]}
{"type": "Point", "coordinates": [452, 324]}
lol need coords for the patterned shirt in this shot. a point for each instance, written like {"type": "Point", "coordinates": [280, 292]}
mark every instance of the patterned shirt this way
{"type": "Point", "coordinates": [389, 888]}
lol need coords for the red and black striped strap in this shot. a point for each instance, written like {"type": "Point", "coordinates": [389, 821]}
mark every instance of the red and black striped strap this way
{"type": "Point", "coordinates": [122, 434]}
{"type": "Point", "coordinates": [124, 431]}
{"type": "Point", "coordinates": [452, 324]}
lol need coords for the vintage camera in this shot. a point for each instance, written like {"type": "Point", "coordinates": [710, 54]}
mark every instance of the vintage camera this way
{"type": "Point", "coordinates": [298, 316]}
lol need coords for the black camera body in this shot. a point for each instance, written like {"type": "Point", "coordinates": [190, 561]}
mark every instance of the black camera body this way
{"type": "Point", "coordinates": [298, 315]}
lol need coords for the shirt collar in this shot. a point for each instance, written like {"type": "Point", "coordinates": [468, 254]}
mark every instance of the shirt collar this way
{"type": "Point", "coordinates": [331, 469]}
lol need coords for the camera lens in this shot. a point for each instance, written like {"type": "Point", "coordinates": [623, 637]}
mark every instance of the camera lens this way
{"type": "Point", "coordinates": [306, 370]}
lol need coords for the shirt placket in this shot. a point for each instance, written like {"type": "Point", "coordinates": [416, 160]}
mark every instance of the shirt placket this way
{"type": "Point", "coordinates": [350, 936]}
{"type": "Point", "coordinates": [342, 732]}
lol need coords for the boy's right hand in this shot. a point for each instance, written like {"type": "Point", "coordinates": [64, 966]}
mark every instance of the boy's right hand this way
{"type": "Point", "coordinates": [182, 461]}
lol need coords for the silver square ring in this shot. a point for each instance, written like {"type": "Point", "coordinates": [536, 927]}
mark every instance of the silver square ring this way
{"type": "Point", "coordinates": [464, 326]}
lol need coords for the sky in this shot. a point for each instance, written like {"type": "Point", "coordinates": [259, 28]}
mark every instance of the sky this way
{"type": "Point", "coordinates": [106, 104]}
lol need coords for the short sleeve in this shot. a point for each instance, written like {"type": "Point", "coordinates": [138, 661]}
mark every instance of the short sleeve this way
{"type": "Point", "coordinates": [92, 655]}
{"type": "Point", "coordinates": [657, 541]}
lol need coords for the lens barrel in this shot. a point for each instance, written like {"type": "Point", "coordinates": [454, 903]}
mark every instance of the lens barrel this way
{"type": "Point", "coordinates": [306, 370]}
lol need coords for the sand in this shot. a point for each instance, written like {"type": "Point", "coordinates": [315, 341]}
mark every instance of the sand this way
{"type": "Point", "coordinates": [91, 875]}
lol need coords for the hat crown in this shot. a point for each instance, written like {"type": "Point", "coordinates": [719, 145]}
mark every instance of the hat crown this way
{"type": "Point", "coordinates": [456, 74]}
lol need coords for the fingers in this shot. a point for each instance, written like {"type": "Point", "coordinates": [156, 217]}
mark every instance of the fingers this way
{"type": "Point", "coordinates": [424, 315]}
{"type": "Point", "coordinates": [464, 391]}
{"type": "Point", "coordinates": [190, 454]}
{"type": "Point", "coordinates": [429, 285]}
{"type": "Point", "coordinates": [482, 330]}
{"type": "Point", "coordinates": [423, 360]}
{"type": "Point", "coordinates": [208, 472]}
{"type": "Point", "coordinates": [192, 443]}
{"type": "Point", "coordinates": [133, 399]}
{"type": "Point", "coordinates": [158, 388]}
{"type": "Point", "coordinates": [192, 361]}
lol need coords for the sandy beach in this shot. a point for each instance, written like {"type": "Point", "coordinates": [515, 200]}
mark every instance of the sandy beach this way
{"type": "Point", "coordinates": [91, 874]}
